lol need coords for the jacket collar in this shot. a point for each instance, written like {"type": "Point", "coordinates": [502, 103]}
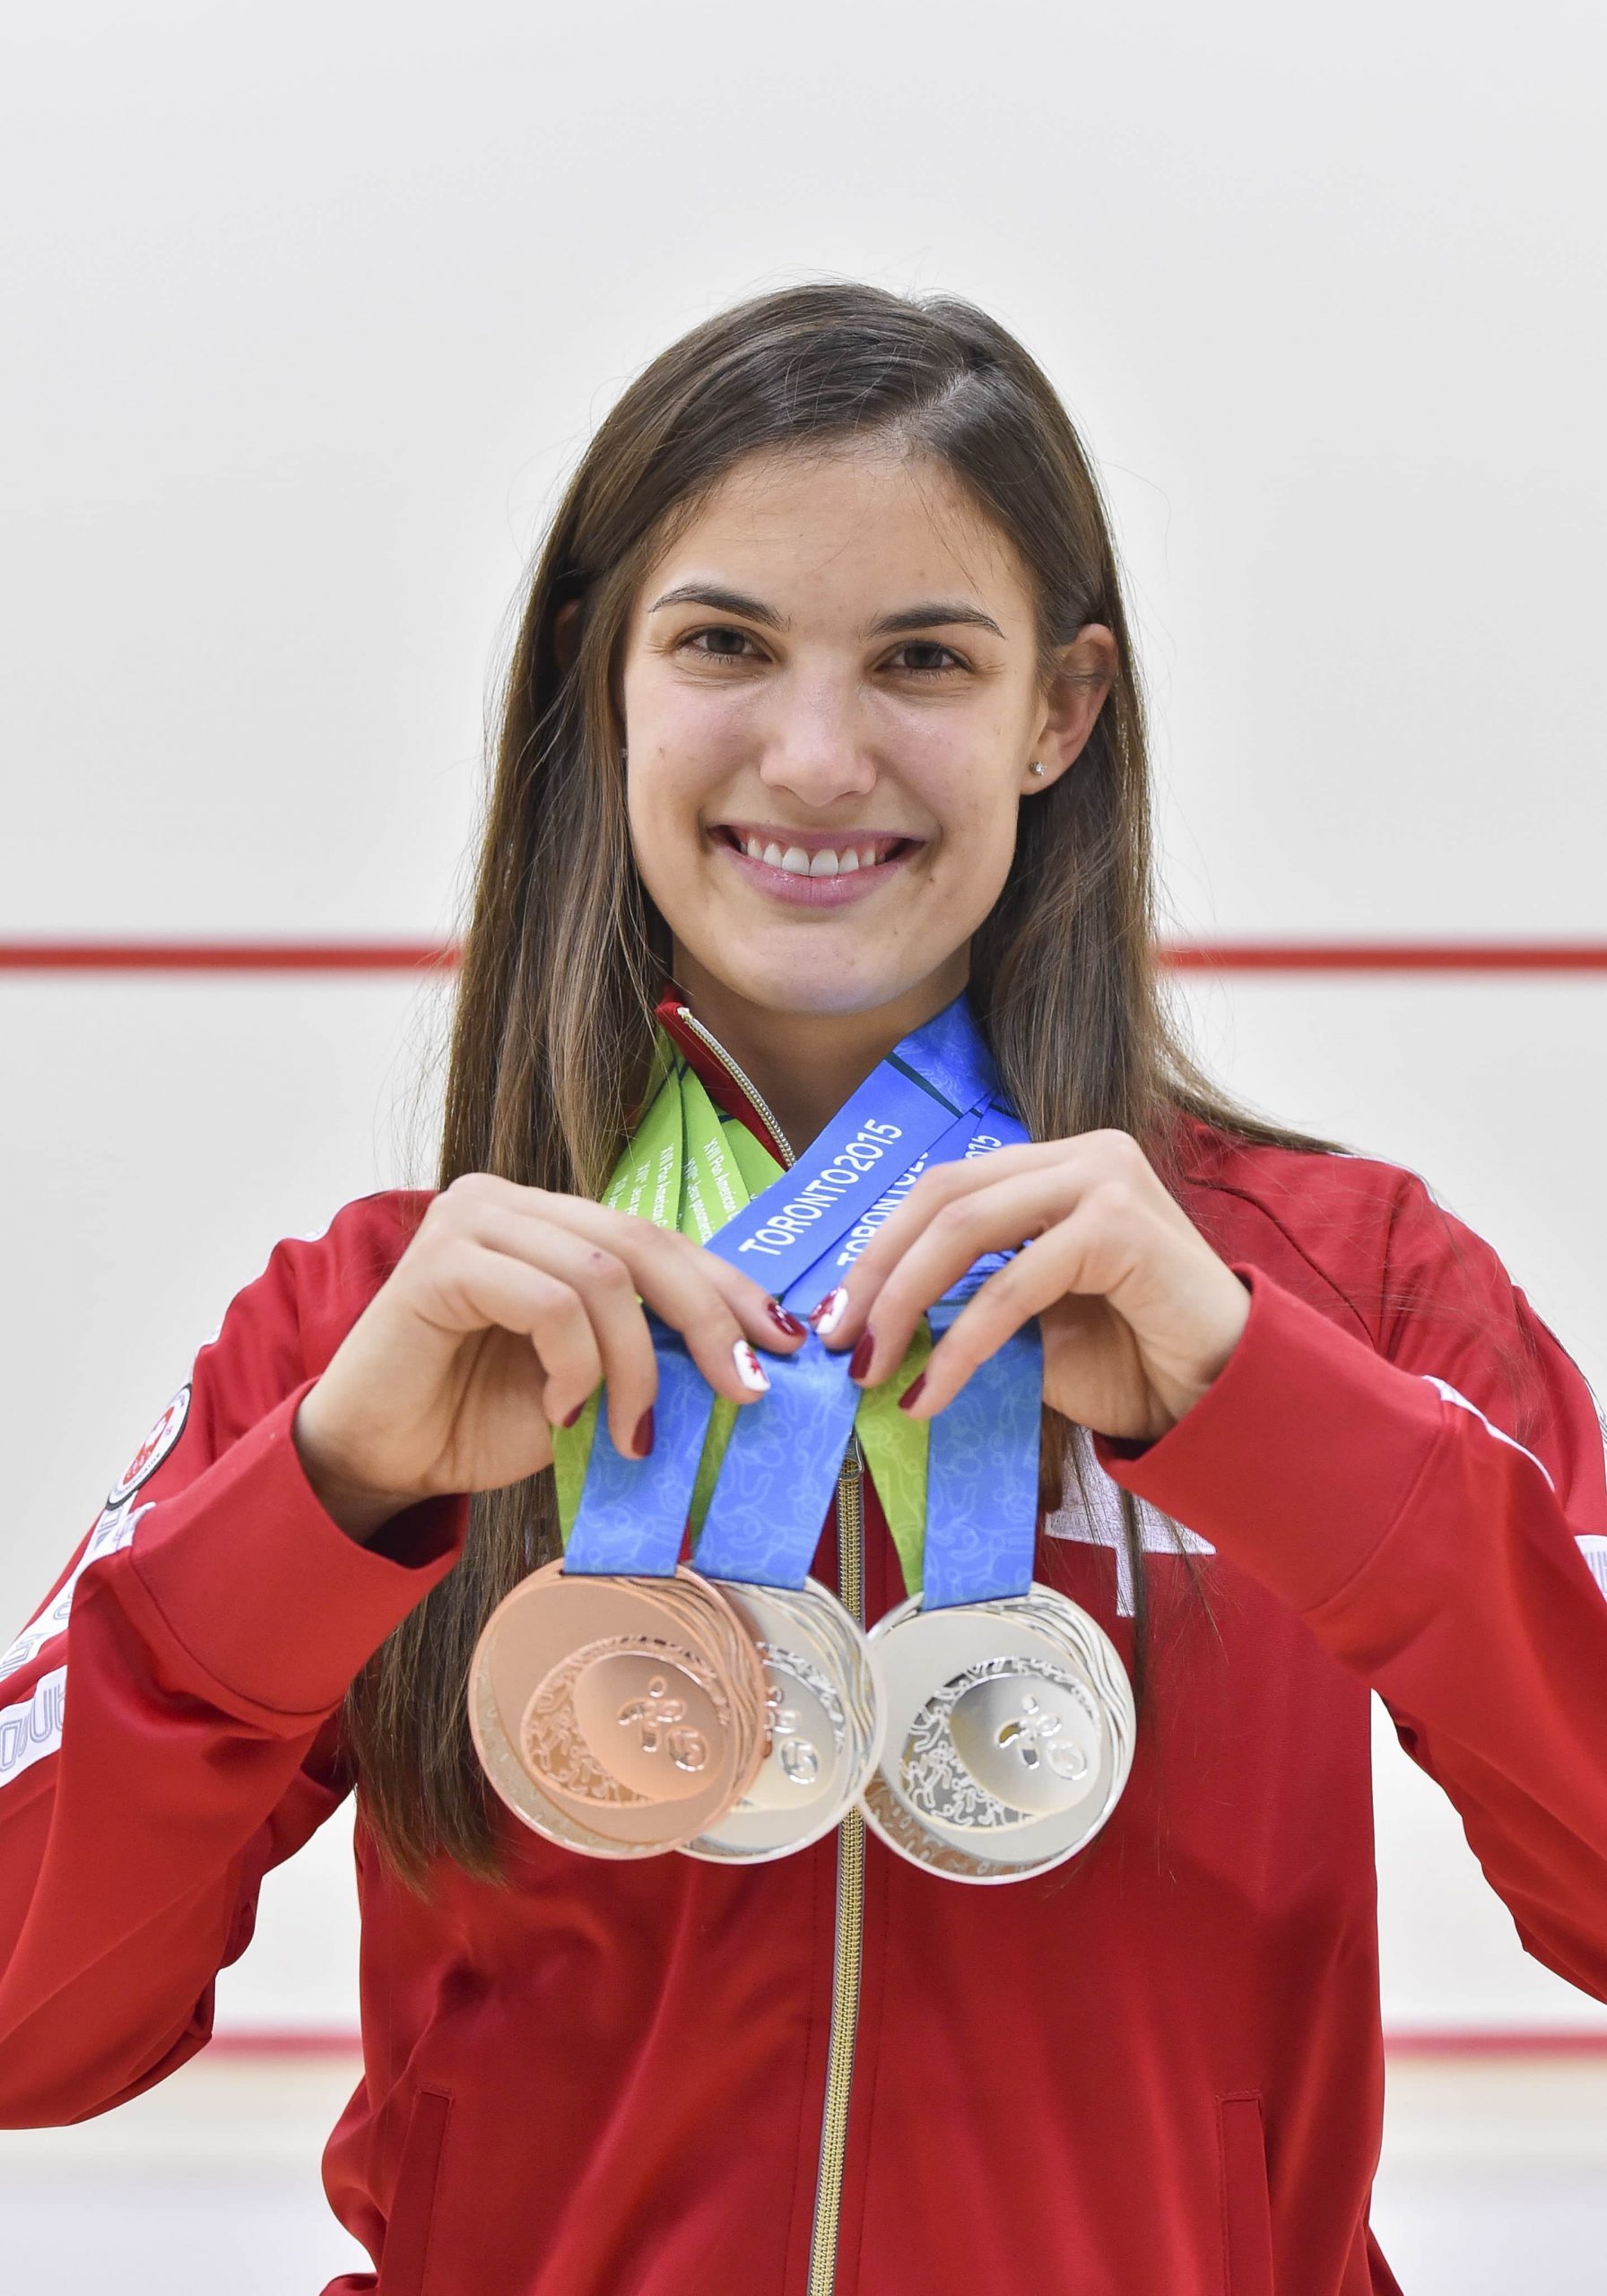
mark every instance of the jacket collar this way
{"type": "Point", "coordinates": [719, 1081]}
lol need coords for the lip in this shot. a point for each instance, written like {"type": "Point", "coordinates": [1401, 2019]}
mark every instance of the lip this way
{"type": "Point", "coordinates": [814, 892]}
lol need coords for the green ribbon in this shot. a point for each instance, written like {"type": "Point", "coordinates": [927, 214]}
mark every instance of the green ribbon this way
{"type": "Point", "coordinates": [688, 1167]}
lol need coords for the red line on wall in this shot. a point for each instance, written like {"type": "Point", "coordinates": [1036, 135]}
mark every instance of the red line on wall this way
{"type": "Point", "coordinates": [1386, 956]}
{"type": "Point", "coordinates": [1182, 956]}
{"type": "Point", "coordinates": [221, 956]}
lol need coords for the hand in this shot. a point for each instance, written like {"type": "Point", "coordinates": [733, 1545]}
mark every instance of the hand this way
{"type": "Point", "coordinates": [499, 1320]}
{"type": "Point", "coordinates": [1139, 1314]}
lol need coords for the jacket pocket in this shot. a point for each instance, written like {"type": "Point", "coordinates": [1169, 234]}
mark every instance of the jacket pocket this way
{"type": "Point", "coordinates": [1246, 2203]}
{"type": "Point", "coordinates": [405, 2259]}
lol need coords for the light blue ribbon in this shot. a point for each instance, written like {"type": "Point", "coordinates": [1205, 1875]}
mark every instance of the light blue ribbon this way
{"type": "Point", "coordinates": [935, 1098]}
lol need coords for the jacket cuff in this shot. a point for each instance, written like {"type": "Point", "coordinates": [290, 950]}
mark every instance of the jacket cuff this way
{"type": "Point", "coordinates": [263, 1592]}
{"type": "Point", "coordinates": [1297, 1458]}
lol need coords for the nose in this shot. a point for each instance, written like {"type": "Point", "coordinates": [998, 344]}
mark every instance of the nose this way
{"type": "Point", "coordinates": [814, 748]}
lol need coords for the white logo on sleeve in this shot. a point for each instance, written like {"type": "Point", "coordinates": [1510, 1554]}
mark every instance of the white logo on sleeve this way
{"type": "Point", "coordinates": [153, 1450]}
{"type": "Point", "coordinates": [32, 1729]}
{"type": "Point", "coordinates": [113, 1529]}
{"type": "Point", "coordinates": [1453, 1394]}
{"type": "Point", "coordinates": [1591, 1544]}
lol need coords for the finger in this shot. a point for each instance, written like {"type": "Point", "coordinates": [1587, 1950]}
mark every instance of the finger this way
{"type": "Point", "coordinates": [1029, 1285]}
{"type": "Point", "coordinates": [764, 1321]}
{"type": "Point", "coordinates": [669, 1272]}
{"type": "Point", "coordinates": [860, 1287]}
{"type": "Point", "coordinates": [481, 1287]}
{"type": "Point", "coordinates": [603, 1290]}
{"type": "Point", "coordinates": [706, 1301]}
{"type": "Point", "coordinates": [999, 1217]}
{"type": "Point", "coordinates": [760, 1317]}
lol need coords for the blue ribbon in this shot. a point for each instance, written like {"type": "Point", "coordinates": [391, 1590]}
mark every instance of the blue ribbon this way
{"type": "Point", "coordinates": [933, 1099]}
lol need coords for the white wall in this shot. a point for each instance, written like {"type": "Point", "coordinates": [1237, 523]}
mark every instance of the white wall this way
{"type": "Point", "coordinates": [307, 316]}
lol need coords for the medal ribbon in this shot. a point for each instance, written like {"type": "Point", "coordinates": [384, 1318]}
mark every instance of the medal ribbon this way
{"type": "Point", "coordinates": [960, 1493]}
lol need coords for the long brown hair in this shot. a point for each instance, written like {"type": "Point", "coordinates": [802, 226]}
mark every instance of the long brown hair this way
{"type": "Point", "coordinates": [563, 954]}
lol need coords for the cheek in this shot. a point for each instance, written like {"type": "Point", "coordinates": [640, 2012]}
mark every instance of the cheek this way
{"type": "Point", "coordinates": [681, 754]}
{"type": "Point", "coordinates": [677, 720]}
{"type": "Point", "coordinates": [977, 810]}
{"type": "Point", "coordinates": [665, 790]}
{"type": "Point", "coordinates": [663, 797]}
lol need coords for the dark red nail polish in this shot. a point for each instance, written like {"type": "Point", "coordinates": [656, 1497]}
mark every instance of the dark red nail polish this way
{"type": "Point", "coordinates": [859, 1362]}
{"type": "Point", "coordinates": [575, 1414]}
{"type": "Point", "coordinates": [644, 1433]}
{"type": "Point", "coordinates": [789, 1324]}
{"type": "Point", "coordinates": [908, 1398]}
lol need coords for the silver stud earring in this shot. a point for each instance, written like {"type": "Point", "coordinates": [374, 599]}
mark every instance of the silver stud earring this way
{"type": "Point", "coordinates": [1037, 767]}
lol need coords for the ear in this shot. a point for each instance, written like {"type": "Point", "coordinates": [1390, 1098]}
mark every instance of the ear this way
{"type": "Point", "coordinates": [566, 634]}
{"type": "Point", "coordinates": [1087, 668]}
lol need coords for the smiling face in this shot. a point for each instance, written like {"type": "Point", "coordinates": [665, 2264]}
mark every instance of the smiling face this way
{"type": "Point", "coordinates": [831, 708]}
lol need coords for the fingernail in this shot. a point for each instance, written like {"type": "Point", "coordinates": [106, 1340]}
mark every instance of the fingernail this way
{"type": "Point", "coordinates": [750, 1370]}
{"type": "Point", "coordinates": [859, 1362]}
{"type": "Point", "coordinates": [793, 1326]}
{"type": "Point", "coordinates": [572, 1416]}
{"type": "Point", "coordinates": [827, 1317]}
{"type": "Point", "coordinates": [906, 1400]}
{"type": "Point", "coordinates": [644, 1433]}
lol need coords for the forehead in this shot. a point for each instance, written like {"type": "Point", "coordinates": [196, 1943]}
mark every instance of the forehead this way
{"type": "Point", "coordinates": [842, 520]}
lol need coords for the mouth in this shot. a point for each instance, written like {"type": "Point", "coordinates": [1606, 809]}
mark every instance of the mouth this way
{"type": "Point", "coordinates": [816, 868]}
{"type": "Point", "coordinates": [813, 868]}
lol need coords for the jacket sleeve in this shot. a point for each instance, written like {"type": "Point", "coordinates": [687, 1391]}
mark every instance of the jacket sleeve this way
{"type": "Point", "coordinates": [169, 1720]}
{"type": "Point", "coordinates": [1434, 1508]}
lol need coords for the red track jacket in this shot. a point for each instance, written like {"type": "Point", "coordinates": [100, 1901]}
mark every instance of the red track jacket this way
{"type": "Point", "coordinates": [1154, 2072]}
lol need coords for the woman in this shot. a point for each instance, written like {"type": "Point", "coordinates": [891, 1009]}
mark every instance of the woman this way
{"type": "Point", "coordinates": [823, 710]}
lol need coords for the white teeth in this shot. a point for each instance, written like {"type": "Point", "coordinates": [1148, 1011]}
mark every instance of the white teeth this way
{"type": "Point", "coordinates": [797, 863]}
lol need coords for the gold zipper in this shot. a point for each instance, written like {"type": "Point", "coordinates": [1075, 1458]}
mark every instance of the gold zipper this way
{"type": "Point", "coordinates": [731, 1068]}
{"type": "Point", "coordinates": [846, 1950]}
{"type": "Point", "coordinates": [848, 1943]}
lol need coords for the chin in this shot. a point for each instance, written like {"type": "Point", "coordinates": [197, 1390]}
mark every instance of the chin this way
{"type": "Point", "coordinates": [783, 984]}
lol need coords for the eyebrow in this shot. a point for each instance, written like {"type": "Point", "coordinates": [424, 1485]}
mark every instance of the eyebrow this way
{"type": "Point", "coordinates": [936, 614]}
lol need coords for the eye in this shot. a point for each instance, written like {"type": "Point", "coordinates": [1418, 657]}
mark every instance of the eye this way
{"type": "Point", "coordinates": [911, 669]}
{"type": "Point", "coordinates": [724, 630]}
{"type": "Point", "coordinates": [930, 669]}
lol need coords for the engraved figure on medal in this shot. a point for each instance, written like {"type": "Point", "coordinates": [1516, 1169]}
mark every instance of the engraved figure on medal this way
{"type": "Point", "coordinates": [658, 1711]}
{"type": "Point", "coordinates": [617, 1715]}
{"type": "Point", "coordinates": [805, 1732]}
{"type": "Point", "coordinates": [1010, 1734]}
{"type": "Point", "coordinates": [822, 1724]}
{"type": "Point", "coordinates": [625, 1720]}
{"type": "Point", "coordinates": [1004, 1742]}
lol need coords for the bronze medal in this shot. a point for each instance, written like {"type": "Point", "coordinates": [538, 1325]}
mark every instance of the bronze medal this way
{"type": "Point", "coordinates": [617, 1715]}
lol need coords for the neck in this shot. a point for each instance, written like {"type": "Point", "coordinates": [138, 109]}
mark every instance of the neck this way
{"type": "Point", "coordinates": [805, 1065]}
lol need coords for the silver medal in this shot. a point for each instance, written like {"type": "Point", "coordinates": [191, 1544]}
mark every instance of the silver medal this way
{"type": "Point", "coordinates": [824, 1729]}
{"type": "Point", "coordinates": [1009, 1735]}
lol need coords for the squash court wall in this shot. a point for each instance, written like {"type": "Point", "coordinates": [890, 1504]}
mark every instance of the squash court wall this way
{"type": "Point", "coordinates": [308, 318]}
